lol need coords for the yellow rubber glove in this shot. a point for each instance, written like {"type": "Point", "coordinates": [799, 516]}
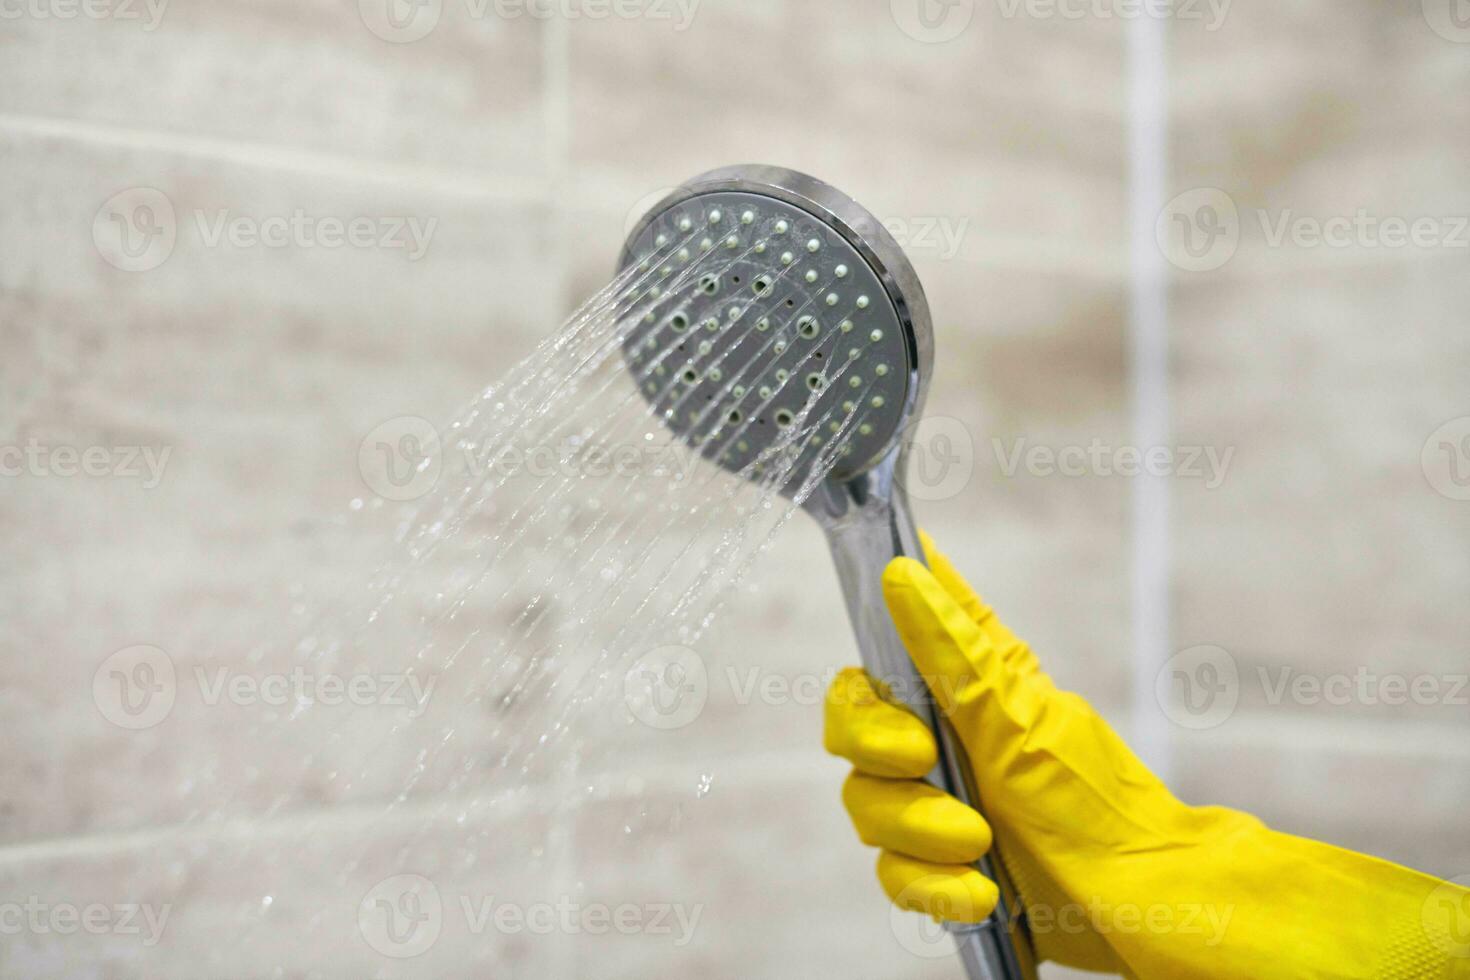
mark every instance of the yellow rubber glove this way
{"type": "Point", "coordinates": [1112, 872]}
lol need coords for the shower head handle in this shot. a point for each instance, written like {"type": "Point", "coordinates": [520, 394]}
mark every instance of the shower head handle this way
{"type": "Point", "coordinates": [868, 525]}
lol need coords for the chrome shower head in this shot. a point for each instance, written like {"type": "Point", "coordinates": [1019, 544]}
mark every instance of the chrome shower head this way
{"type": "Point", "coordinates": [781, 302]}
{"type": "Point", "coordinates": [770, 303]}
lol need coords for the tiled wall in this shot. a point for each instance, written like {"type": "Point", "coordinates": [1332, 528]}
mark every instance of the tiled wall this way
{"type": "Point", "coordinates": [999, 155]}
{"type": "Point", "coordinates": [1333, 549]}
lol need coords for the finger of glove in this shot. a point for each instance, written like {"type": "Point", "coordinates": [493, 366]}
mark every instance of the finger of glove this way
{"type": "Point", "coordinates": [952, 892]}
{"type": "Point", "coordinates": [877, 737]}
{"type": "Point", "coordinates": [1015, 651]}
{"type": "Point", "coordinates": [915, 819]}
{"type": "Point", "coordinates": [968, 677]}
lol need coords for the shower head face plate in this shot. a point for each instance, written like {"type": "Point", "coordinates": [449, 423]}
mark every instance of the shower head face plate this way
{"type": "Point", "coordinates": [770, 321]}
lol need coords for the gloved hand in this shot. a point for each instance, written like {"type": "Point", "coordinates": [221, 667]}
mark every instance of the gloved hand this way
{"type": "Point", "coordinates": [1112, 872]}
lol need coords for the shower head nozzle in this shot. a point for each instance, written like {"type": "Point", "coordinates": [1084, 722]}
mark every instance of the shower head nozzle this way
{"type": "Point", "coordinates": [777, 304]}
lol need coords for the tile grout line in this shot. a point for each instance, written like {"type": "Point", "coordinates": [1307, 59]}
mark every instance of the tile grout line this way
{"type": "Point", "coordinates": [275, 157]}
{"type": "Point", "coordinates": [774, 767]}
{"type": "Point", "coordinates": [1362, 736]}
{"type": "Point", "coordinates": [1149, 373]}
{"type": "Point", "coordinates": [247, 826]}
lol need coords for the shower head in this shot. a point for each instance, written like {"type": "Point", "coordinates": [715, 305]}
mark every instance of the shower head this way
{"type": "Point", "coordinates": [776, 320]}
{"type": "Point", "coordinates": [781, 303]}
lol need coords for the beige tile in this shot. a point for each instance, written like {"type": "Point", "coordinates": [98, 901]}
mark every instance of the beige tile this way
{"type": "Point", "coordinates": [1260, 99]}
{"type": "Point", "coordinates": [1050, 971]}
{"type": "Point", "coordinates": [297, 898]}
{"type": "Point", "coordinates": [475, 272]}
{"type": "Point", "coordinates": [1391, 789]}
{"type": "Point", "coordinates": [1324, 370]}
{"type": "Point", "coordinates": [1286, 125]}
{"type": "Point", "coordinates": [466, 98]}
{"type": "Point", "coordinates": [1326, 549]}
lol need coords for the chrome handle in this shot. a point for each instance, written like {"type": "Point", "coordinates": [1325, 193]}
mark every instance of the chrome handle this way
{"type": "Point", "coordinates": [868, 533]}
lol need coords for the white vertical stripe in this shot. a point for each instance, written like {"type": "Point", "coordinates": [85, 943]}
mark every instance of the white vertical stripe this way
{"type": "Point", "coordinates": [561, 841]}
{"type": "Point", "coordinates": [1149, 366]}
